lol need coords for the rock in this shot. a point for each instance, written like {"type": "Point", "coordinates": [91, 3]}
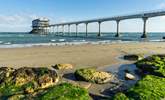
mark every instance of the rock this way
{"type": "Point", "coordinates": [63, 66]}
{"type": "Point", "coordinates": [5, 73]}
{"type": "Point", "coordinates": [91, 75]}
{"type": "Point", "coordinates": [133, 57]}
{"type": "Point", "coordinates": [85, 85]}
{"type": "Point", "coordinates": [16, 97]}
{"type": "Point", "coordinates": [23, 76]}
{"type": "Point", "coordinates": [42, 76]}
{"type": "Point", "coordinates": [45, 81]}
{"type": "Point", "coordinates": [129, 76]}
{"type": "Point", "coordinates": [152, 65]}
{"type": "Point", "coordinates": [29, 90]}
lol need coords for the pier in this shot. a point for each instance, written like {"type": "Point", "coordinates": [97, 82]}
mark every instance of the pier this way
{"type": "Point", "coordinates": [54, 28]}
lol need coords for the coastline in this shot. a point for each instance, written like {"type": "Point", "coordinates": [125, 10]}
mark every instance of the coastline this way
{"type": "Point", "coordinates": [84, 55]}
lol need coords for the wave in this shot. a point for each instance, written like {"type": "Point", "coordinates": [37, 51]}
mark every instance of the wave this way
{"type": "Point", "coordinates": [9, 45]}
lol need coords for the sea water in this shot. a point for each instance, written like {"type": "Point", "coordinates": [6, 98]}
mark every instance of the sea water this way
{"type": "Point", "coordinates": [22, 39]}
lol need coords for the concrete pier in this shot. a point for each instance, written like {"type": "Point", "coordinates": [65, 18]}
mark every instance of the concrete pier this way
{"type": "Point", "coordinates": [144, 16]}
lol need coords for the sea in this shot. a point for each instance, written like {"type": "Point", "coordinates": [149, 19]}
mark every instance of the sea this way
{"type": "Point", "coordinates": [24, 39]}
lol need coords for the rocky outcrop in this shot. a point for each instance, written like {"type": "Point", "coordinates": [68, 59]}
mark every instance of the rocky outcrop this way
{"type": "Point", "coordinates": [26, 79]}
{"type": "Point", "coordinates": [5, 73]}
{"type": "Point", "coordinates": [63, 66]}
{"type": "Point", "coordinates": [91, 75]}
{"type": "Point", "coordinates": [133, 57]}
{"type": "Point", "coordinates": [154, 64]}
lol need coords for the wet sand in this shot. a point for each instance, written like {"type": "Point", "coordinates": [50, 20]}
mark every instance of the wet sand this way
{"type": "Point", "coordinates": [79, 55]}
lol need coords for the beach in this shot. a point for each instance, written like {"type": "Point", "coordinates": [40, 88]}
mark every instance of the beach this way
{"type": "Point", "coordinates": [84, 55]}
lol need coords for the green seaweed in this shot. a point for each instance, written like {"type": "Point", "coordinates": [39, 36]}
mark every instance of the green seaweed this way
{"type": "Point", "coordinates": [65, 91]}
{"type": "Point", "coordinates": [149, 88]}
{"type": "Point", "coordinates": [120, 96]}
{"type": "Point", "coordinates": [154, 65]}
{"type": "Point", "coordinates": [85, 74]}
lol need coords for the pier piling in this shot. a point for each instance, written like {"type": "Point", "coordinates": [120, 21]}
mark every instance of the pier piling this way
{"type": "Point", "coordinates": [86, 29]}
{"type": "Point", "coordinates": [118, 23]}
{"type": "Point", "coordinates": [99, 34]}
{"type": "Point", "coordinates": [144, 27]}
{"type": "Point", "coordinates": [76, 30]}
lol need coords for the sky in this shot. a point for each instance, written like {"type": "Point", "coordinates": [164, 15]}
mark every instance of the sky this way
{"type": "Point", "coordinates": [17, 15]}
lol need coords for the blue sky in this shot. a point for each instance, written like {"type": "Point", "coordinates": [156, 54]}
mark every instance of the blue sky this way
{"type": "Point", "coordinates": [16, 15]}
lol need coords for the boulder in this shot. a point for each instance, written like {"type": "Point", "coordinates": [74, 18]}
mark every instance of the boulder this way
{"type": "Point", "coordinates": [63, 66]}
{"type": "Point", "coordinates": [5, 73]}
{"type": "Point", "coordinates": [23, 76]}
{"type": "Point", "coordinates": [133, 57]}
{"type": "Point", "coordinates": [26, 80]}
{"type": "Point", "coordinates": [129, 76]}
{"type": "Point", "coordinates": [92, 75]}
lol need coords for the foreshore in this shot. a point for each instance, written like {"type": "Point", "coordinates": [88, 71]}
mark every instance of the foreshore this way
{"type": "Point", "coordinates": [84, 55]}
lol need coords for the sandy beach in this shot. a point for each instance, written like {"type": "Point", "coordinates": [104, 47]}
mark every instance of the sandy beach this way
{"type": "Point", "coordinates": [79, 55]}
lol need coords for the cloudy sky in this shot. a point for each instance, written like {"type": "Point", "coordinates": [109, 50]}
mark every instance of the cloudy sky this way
{"type": "Point", "coordinates": [16, 15]}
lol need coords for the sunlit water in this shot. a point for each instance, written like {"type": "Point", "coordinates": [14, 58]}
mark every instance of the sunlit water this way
{"type": "Point", "coordinates": [11, 40]}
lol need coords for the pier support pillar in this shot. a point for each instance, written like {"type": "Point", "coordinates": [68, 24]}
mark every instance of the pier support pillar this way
{"type": "Point", "coordinates": [99, 34]}
{"type": "Point", "coordinates": [144, 27]}
{"type": "Point", "coordinates": [86, 29]}
{"type": "Point", "coordinates": [118, 23]}
{"type": "Point", "coordinates": [62, 30]}
{"type": "Point", "coordinates": [76, 29]}
{"type": "Point", "coordinates": [54, 30]}
{"type": "Point", "coordinates": [69, 30]}
{"type": "Point", "coordinates": [57, 30]}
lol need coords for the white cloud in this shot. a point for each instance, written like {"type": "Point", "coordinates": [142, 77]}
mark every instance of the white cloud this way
{"type": "Point", "coordinates": [16, 22]}
{"type": "Point", "coordinates": [161, 5]}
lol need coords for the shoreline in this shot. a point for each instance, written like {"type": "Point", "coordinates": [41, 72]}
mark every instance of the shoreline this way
{"type": "Point", "coordinates": [84, 55]}
{"type": "Point", "coordinates": [83, 42]}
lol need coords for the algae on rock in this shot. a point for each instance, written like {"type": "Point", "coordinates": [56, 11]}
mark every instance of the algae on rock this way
{"type": "Point", "coordinates": [92, 75]}
{"type": "Point", "coordinates": [66, 91]}
{"type": "Point", "coordinates": [153, 64]}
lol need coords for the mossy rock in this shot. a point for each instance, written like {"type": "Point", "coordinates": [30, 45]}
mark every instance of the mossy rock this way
{"type": "Point", "coordinates": [153, 64]}
{"type": "Point", "coordinates": [133, 57]}
{"type": "Point", "coordinates": [65, 91]}
{"type": "Point", "coordinates": [27, 80]}
{"type": "Point", "coordinates": [63, 66]}
{"type": "Point", "coordinates": [149, 88]}
{"type": "Point", "coordinates": [92, 75]}
{"type": "Point", "coordinates": [120, 96]}
{"type": "Point", "coordinates": [5, 74]}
